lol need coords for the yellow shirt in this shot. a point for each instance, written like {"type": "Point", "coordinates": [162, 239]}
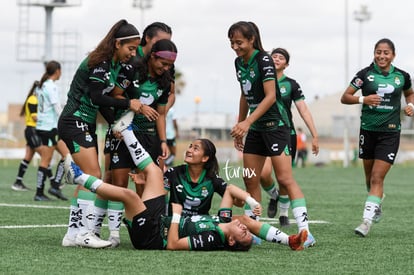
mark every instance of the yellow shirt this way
{"type": "Point", "coordinates": [30, 110]}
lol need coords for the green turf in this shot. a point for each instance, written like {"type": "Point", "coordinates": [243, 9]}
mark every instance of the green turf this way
{"type": "Point", "coordinates": [333, 194]}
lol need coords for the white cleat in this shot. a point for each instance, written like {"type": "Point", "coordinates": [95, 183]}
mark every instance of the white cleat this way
{"type": "Point", "coordinates": [68, 241]}
{"type": "Point", "coordinates": [115, 241]}
{"type": "Point", "coordinates": [72, 171]}
{"type": "Point", "coordinates": [363, 229]}
{"type": "Point", "coordinates": [91, 240]}
{"type": "Point", "coordinates": [123, 122]}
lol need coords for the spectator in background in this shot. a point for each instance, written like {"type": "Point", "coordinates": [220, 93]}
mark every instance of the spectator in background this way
{"type": "Point", "coordinates": [302, 151]}
{"type": "Point", "coordinates": [172, 135]}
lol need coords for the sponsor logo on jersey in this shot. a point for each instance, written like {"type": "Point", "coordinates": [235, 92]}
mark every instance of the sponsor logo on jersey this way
{"type": "Point", "coordinates": [385, 89]}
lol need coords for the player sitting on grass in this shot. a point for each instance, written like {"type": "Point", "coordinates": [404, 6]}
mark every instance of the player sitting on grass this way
{"type": "Point", "coordinates": [144, 216]}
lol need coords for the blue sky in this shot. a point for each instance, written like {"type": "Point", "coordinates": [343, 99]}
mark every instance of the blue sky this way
{"type": "Point", "coordinates": [312, 31]}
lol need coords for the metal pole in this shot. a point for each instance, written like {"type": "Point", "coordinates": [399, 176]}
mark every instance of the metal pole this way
{"type": "Point", "coordinates": [48, 35]}
{"type": "Point", "coordinates": [346, 118]}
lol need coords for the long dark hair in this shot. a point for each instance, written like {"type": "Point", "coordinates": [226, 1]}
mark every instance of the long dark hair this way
{"type": "Point", "coordinates": [249, 30]}
{"type": "Point", "coordinates": [31, 92]}
{"type": "Point", "coordinates": [51, 68]}
{"type": "Point", "coordinates": [211, 165]}
{"type": "Point", "coordinates": [152, 30]}
{"type": "Point", "coordinates": [164, 80]}
{"type": "Point", "coordinates": [106, 48]}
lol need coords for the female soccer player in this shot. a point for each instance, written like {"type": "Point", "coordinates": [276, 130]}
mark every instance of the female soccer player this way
{"type": "Point", "coordinates": [382, 85]}
{"type": "Point", "coordinates": [194, 183]}
{"type": "Point", "coordinates": [48, 113]}
{"type": "Point", "coordinates": [148, 229]}
{"type": "Point", "coordinates": [153, 83]}
{"type": "Point", "coordinates": [267, 125]}
{"type": "Point", "coordinates": [95, 78]}
{"type": "Point", "coordinates": [33, 141]}
{"type": "Point", "coordinates": [291, 92]}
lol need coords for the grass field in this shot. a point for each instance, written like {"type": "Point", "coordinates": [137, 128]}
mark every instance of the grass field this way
{"type": "Point", "coordinates": [31, 234]}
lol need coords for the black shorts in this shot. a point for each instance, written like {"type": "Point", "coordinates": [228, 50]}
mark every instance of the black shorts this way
{"type": "Point", "coordinates": [268, 144]}
{"type": "Point", "coordinates": [379, 145]}
{"type": "Point", "coordinates": [171, 142]}
{"type": "Point", "coordinates": [32, 138]}
{"type": "Point", "coordinates": [77, 133]}
{"type": "Point", "coordinates": [293, 146]}
{"type": "Point", "coordinates": [144, 229]}
{"type": "Point", "coordinates": [120, 156]}
{"type": "Point", "coordinates": [49, 138]}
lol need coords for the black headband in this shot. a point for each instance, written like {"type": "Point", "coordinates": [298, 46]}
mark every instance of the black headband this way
{"type": "Point", "coordinates": [282, 52]}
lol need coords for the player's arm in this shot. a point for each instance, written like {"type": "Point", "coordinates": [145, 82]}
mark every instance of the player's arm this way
{"type": "Point", "coordinates": [174, 242]}
{"type": "Point", "coordinates": [235, 193]}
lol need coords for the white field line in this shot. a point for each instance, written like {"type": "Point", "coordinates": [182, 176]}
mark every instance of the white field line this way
{"type": "Point", "coordinates": [34, 206]}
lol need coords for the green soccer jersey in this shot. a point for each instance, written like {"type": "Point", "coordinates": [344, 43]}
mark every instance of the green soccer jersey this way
{"type": "Point", "coordinates": [291, 92]}
{"type": "Point", "coordinates": [149, 93]}
{"type": "Point", "coordinates": [251, 76]}
{"type": "Point", "coordinates": [196, 197]}
{"type": "Point", "coordinates": [390, 87]}
{"type": "Point", "coordinates": [202, 232]}
{"type": "Point", "coordinates": [79, 101]}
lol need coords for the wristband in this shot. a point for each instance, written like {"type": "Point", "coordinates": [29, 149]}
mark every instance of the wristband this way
{"type": "Point", "coordinates": [361, 100]}
{"type": "Point", "coordinates": [163, 141]}
{"type": "Point", "coordinates": [175, 218]}
{"type": "Point", "coordinates": [251, 202]}
{"type": "Point", "coordinates": [411, 105]}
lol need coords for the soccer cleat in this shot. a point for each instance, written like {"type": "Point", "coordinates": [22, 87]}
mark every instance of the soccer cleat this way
{"type": "Point", "coordinates": [363, 229]}
{"type": "Point", "coordinates": [272, 207]}
{"type": "Point", "coordinates": [284, 221]}
{"type": "Point", "coordinates": [41, 197]}
{"type": "Point", "coordinates": [310, 241]}
{"type": "Point", "coordinates": [378, 212]}
{"type": "Point", "coordinates": [19, 186]}
{"type": "Point", "coordinates": [115, 241]}
{"type": "Point", "coordinates": [123, 122]}
{"type": "Point", "coordinates": [72, 171]}
{"type": "Point", "coordinates": [68, 241]}
{"type": "Point", "coordinates": [90, 240]}
{"type": "Point", "coordinates": [297, 242]}
{"type": "Point", "coordinates": [57, 193]}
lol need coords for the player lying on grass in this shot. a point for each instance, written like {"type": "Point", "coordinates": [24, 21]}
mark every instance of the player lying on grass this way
{"type": "Point", "coordinates": [149, 229]}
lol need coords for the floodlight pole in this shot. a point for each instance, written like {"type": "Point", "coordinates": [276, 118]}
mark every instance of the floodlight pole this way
{"type": "Point", "coordinates": [361, 16]}
{"type": "Point", "coordinates": [346, 116]}
{"type": "Point", "coordinates": [48, 34]}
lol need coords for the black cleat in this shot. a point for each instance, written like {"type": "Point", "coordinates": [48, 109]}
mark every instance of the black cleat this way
{"type": "Point", "coordinates": [41, 198]}
{"type": "Point", "coordinates": [284, 221]}
{"type": "Point", "coordinates": [57, 193]}
{"type": "Point", "coordinates": [272, 207]}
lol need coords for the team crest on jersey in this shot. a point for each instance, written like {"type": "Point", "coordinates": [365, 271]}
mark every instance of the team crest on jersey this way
{"type": "Point", "coordinates": [282, 89]}
{"type": "Point", "coordinates": [204, 192]}
{"type": "Point", "coordinates": [159, 92]}
{"type": "Point", "coordinates": [252, 73]}
{"type": "Point", "coordinates": [397, 80]}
